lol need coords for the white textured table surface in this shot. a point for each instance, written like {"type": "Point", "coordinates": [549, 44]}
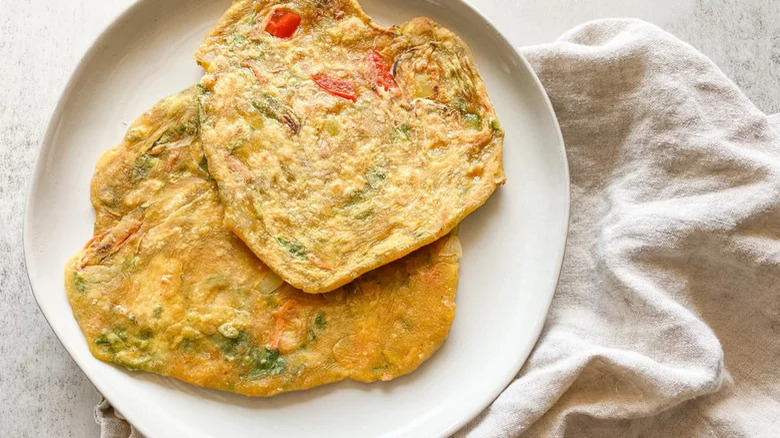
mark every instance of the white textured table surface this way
{"type": "Point", "coordinates": [42, 392]}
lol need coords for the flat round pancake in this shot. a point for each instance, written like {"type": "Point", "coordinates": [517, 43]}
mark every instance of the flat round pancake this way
{"type": "Point", "coordinates": [164, 287]}
{"type": "Point", "coordinates": [345, 145]}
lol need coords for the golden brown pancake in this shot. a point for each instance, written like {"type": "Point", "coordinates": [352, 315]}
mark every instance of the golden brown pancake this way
{"type": "Point", "coordinates": [339, 145]}
{"type": "Point", "coordinates": [165, 287]}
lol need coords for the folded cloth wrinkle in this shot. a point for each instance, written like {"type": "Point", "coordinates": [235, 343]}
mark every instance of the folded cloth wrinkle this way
{"type": "Point", "coordinates": [666, 319]}
{"type": "Point", "coordinates": [112, 423]}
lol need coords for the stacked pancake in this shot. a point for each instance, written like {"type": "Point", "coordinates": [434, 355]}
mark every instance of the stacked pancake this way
{"type": "Point", "coordinates": [289, 221]}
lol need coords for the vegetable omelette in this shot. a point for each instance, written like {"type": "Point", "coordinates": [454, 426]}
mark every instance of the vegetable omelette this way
{"type": "Point", "coordinates": [164, 287]}
{"type": "Point", "coordinates": [339, 145]}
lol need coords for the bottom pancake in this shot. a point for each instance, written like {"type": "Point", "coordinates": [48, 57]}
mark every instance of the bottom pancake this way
{"type": "Point", "coordinates": [164, 287]}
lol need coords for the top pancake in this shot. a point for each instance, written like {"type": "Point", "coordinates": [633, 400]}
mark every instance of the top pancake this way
{"type": "Point", "coordinates": [342, 145]}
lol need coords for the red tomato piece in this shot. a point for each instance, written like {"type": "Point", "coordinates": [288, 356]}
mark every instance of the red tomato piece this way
{"type": "Point", "coordinates": [283, 23]}
{"type": "Point", "coordinates": [380, 69]}
{"type": "Point", "coordinates": [338, 87]}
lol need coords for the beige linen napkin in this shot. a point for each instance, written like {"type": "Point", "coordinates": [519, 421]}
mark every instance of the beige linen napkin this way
{"type": "Point", "coordinates": [666, 321]}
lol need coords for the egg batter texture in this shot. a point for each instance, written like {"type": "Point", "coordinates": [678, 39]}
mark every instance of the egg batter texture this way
{"type": "Point", "coordinates": [165, 287]}
{"type": "Point", "coordinates": [339, 145]}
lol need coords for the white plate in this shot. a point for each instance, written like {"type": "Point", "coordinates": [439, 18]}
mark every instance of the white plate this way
{"type": "Point", "coordinates": [513, 246]}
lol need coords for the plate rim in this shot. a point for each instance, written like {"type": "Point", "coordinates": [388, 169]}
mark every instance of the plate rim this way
{"type": "Point", "coordinates": [487, 397]}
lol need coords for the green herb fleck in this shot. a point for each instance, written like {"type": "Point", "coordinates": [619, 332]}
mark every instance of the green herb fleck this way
{"type": "Point", "coordinates": [157, 312]}
{"type": "Point", "coordinates": [202, 88]}
{"type": "Point", "coordinates": [406, 130]}
{"type": "Point", "coordinates": [217, 280]}
{"type": "Point", "coordinates": [133, 135]}
{"type": "Point", "coordinates": [494, 125]}
{"type": "Point", "coordinates": [319, 321]}
{"type": "Point", "coordinates": [129, 264]}
{"type": "Point", "coordinates": [251, 18]}
{"type": "Point", "coordinates": [294, 248]}
{"type": "Point", "coordinates": [368, 214]}
{"type": "Point", "coordinates": [273, 109]}
{"type": "Point", "coordinates": [145, 333]}
{"type": "Point", "coordinates": [460, 105]}
{"type": "Point", "coordinates": [402, 132]}
{"type": "Point", "coordinates": [375, 176]}
{"type": "Point", "coordinates": [188, 344]}
{"type": "Point", "coordinates": [143, 165]}
{"type": "Point", "coordinates": [114, 340]}
{"type": "Point", "coordinates": [189, 127]}
{"type": "Point", "coordinates": [354, 198]}
{"type": "Point", "coordinates": [265, 362]}
{"type": "Point", "coordinates": [266, 106]}
{"type": "Point", "coordinates": [132, 364]}
{"type": "Point", "coordinates": [232, 347]}
{"type": "Point", "coordinates": [473, 120]}
{"type": "Point", "coordinates": [203, 164]}
{"type": "Point", "coordinates": [239, 40]}
{"type": "Point", "coordinates": [79, 282]}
